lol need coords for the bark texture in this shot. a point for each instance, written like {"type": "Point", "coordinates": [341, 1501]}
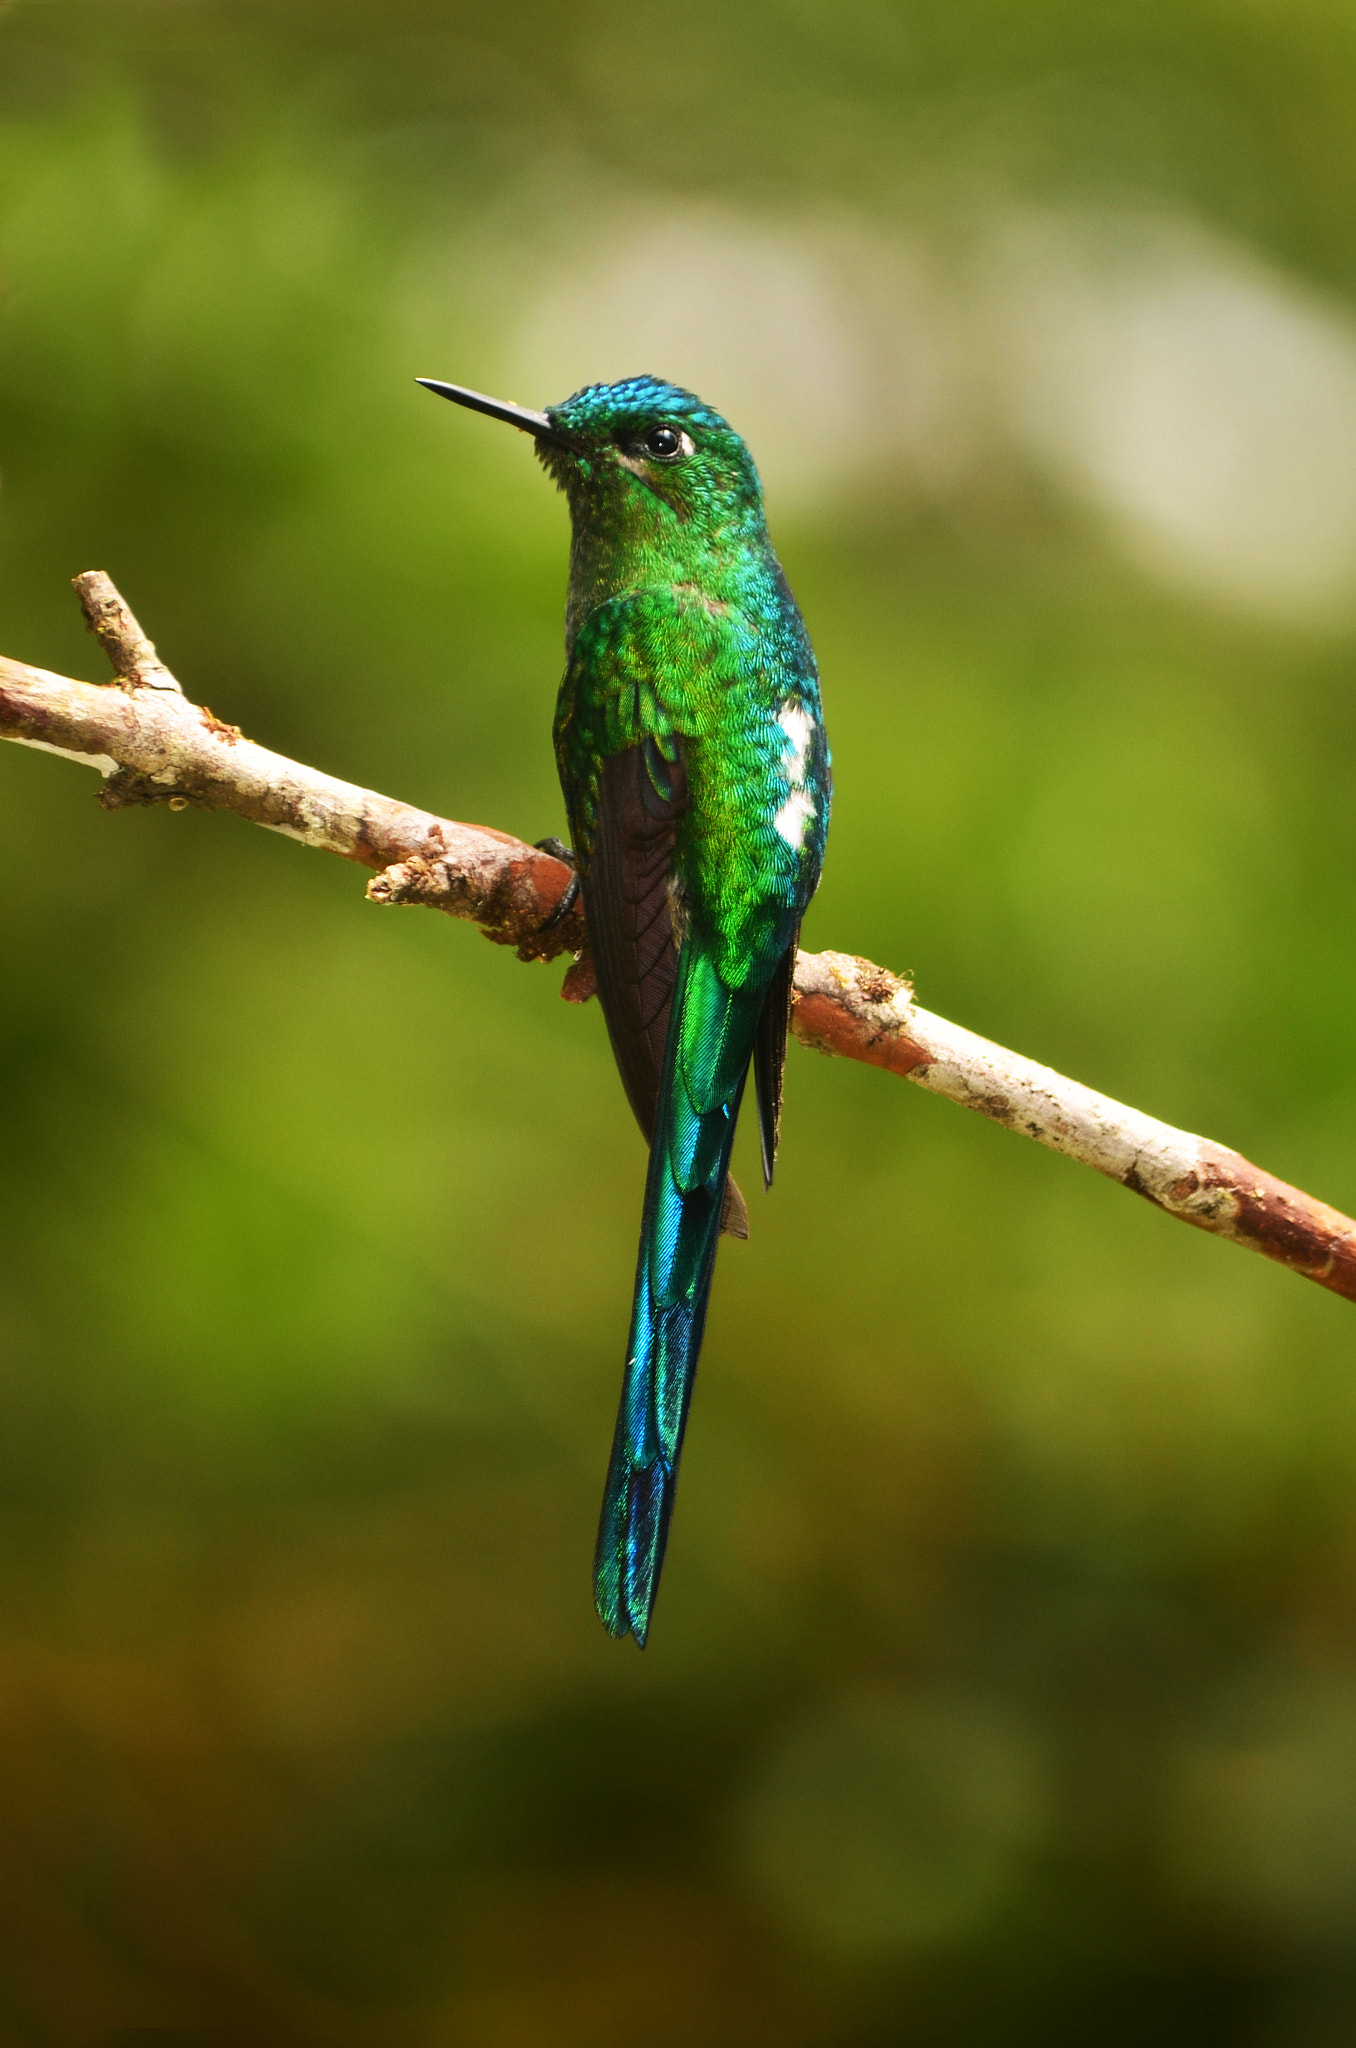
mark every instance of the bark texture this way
{"type": "Point", "coordinates": [151, 745]}
{"type": "Point", "coordinates": [853, 1008]}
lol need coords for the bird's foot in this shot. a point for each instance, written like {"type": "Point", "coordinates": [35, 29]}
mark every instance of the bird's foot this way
{"type": "Point", "coordinates": [558, 850]}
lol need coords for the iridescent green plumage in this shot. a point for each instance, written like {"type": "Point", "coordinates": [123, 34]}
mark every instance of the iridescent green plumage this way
{"type": "Point", "coordinates": [695, 771]}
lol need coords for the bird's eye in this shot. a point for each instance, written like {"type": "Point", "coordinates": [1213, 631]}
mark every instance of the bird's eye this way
{"type": "Point", "coordinates": [665, 443]}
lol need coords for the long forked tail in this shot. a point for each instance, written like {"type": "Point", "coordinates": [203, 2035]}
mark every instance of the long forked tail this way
{"type": "Point", "coordinates": [706, 1058]}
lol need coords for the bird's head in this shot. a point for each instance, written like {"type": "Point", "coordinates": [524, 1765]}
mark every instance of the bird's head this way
{"type": "Point", "coordinates": [640, 460]}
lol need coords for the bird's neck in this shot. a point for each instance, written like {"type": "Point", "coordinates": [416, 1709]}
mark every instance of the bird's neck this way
{"type": "Point", "coordinates": [643, 545]}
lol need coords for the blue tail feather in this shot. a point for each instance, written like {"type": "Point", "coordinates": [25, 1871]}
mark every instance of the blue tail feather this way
{"type": "Point", "coordinates": [710, 1042]}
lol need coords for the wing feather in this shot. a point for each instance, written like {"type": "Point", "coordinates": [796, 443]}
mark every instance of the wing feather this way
{"type": "Point", "coordinates": [642, 798]}
{"type": "Point", "coordinates": [641, 801]}
{"type": "Point", "coordinates": [769, 1055]}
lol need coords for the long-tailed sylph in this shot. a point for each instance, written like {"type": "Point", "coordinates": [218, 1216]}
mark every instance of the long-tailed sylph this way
{"type": "Point", "coordinates": [692, 756]}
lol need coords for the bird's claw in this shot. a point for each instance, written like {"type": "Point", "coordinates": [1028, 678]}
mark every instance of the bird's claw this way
{"type": "Point", "coordinates": [558, 850]}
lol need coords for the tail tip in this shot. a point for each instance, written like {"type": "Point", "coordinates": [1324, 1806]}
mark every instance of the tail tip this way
{"type": "Point", "coordinates": [621, 1622]}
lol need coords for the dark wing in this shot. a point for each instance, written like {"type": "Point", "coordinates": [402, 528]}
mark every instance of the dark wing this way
{"type": "Point", "coordinates": [769, 1055]}
{"type": "Point", "coordinates": [642, 797]}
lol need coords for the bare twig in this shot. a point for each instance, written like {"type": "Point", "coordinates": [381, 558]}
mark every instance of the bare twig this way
{"type": "Point", "coordinates": [848, 1006]}
{"type": "Point", "coordinates": [135, 661]}
{"type": "Point", "coordinates": [153, 746]}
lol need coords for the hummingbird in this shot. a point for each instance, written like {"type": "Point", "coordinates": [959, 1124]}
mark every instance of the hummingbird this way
{"type": "Point", "coordinates": [695, 769]}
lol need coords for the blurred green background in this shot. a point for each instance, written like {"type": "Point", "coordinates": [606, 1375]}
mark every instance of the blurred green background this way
{"type": "Point", "coordinates": [1003, 1689]}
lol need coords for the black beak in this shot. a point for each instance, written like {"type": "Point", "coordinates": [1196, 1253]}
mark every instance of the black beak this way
{"type": "Point", "coordinates": [534, 423]}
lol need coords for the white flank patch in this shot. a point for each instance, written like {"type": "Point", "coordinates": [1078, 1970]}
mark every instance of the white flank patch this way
{"type": "Point", "coordinates": [793, 817]}
{"type": "Point", "coordinates": [798, 811]}
{"type": "Point", "coordinates": [795, 723]}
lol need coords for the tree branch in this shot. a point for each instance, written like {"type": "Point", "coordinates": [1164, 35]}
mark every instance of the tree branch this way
{"type": "Point", "coordinates": [152, 745]}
